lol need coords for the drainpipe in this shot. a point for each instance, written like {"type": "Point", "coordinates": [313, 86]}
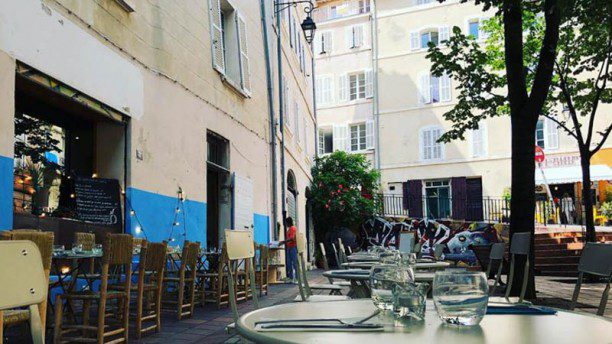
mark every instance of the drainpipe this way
{"type": "Point", "coordinates": [271, 117]}
{"type": "Point", "coordinates": [281, 115]}
{"type": "Point", "coordinates": [314, 105]}
{"type": "Point", "coordinates": [374, 35]}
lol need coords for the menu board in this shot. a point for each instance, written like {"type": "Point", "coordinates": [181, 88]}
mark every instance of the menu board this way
{"type": "Point", "coordinates": [98, 200]}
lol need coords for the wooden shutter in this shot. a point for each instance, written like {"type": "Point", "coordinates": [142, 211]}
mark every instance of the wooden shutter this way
{"type": "Point", "coordinates": [369, 134]}
{"type": "Point", "coordinates": [216, 35]}
{"type": "Point", "coordinates": [340, 133]}
{"type": "Point", "coordinates": [474, 202]}
{"type": "Point", "coordinates": [318, 43]}
{"type": "Point", "coordinates": [459, 199]}
{"type": "Point", "coordinates": [349, 38]}
{"type": "Point", "coordinates": [244, 53]}
{"type": "Point", "coordinates": [369, 84]}
{"type": "Point", "coordinates": [445, 88]}
{"type": "Point", "coordinates": [415, 198]}
{"type": "Point", "coordinates": [415, 43]}
{"type": "Point", "coordinates": [443, 34]}
{"type": "Point", "coordinates": [358, 35]}
{"type": "Point", "coordinates": [424, 89]}
{"type": "Point", "coordinates": [343, 88]}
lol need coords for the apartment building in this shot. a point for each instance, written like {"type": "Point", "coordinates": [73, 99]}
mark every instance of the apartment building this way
{"type": "Point", "coordinates": [161, 109]}
{"type": "Point", "coordinates": [411, 107]}
{"type": "Point", "coordinates": [344, 77]}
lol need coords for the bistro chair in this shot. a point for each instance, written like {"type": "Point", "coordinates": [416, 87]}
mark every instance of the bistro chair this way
{"type": "Point", "coordinates": [116, 269]}
{"type": "Point", "coordinates": [261, 269]}
{"type": "Point", "coordinates": [496, 256]}
{"type": "Point", "coordinates": [44, 244]}
{"type": "Point", "coordinates": [183, 282]}
{"type": "Point", "coordinates": [326, 268]}
{"type": "Point", "coordinates": [20, 289]}
{"type": "Point", "coordinates": [148, 289]}
{"type": "Point", "coordinates": [305, 290]}
{"type": "Point", "coordinates": [215, 283]}
{"type": "Point", "coordinates": [87, 240]}
{"type": "Point", "coordinates": [519, 246]}
{"type": "Point", "coordinates": [596, 259]}
{"type": "Point", "coordinates": [240, 247]}
{"type": "Point", "coordinates": [336, 256]}
{"type": "Point", "coordinates": [417, 249]}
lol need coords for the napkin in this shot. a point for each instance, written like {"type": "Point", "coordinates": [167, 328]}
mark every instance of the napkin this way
{"type": "Point", "coordinates": [520, 309]}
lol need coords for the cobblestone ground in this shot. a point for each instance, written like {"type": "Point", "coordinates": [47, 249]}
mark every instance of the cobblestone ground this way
{"type": "Point", "coordinates": [208, 323]}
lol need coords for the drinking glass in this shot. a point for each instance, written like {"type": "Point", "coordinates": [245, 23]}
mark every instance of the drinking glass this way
{"type": "Point", "coordinates": [409, 300]}
{"type": "Point", "coordinates": [460, 297]}
{"type": "Point", "coordinates": [77, 248]}
{"type": "Point", "coordinates": [382, 279]}
{"type": "Point", "coordinates": [97, 249]}
{"type": "Point", "coordinates": [58, 250]}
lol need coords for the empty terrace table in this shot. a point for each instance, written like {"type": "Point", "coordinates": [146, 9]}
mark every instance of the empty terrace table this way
{"type": "Point", "coordinates": [425, 265]}
{"type": "Point", "coordinates": [563, 327]}
{"type": "Point", "coordinates": [359, 279]}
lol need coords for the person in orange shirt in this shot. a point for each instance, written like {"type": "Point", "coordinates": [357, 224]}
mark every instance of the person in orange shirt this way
{"type": "Point", "coordinates": [291, 250]}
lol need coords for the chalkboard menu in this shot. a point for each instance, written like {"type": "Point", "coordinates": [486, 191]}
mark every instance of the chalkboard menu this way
{"type": "Point", "coordinates": [98, 201]}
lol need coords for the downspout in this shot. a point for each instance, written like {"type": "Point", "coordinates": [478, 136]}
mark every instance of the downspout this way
{"type": "Point", "coordinates": [314, 104]}
{"type": "Point", "coordinates": [281, 114]}
{"type": "Point", "coordinates": [374, 35]}
{"type": "Point", "coordinates": [271, 117]}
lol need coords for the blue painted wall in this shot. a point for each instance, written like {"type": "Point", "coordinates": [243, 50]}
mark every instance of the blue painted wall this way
{"type": "Point", "coordinates": [262, 228]}
{"type": "Point", "coordinates": [6, 192]}
{"type": "Point", "coordinates": [155, 213]}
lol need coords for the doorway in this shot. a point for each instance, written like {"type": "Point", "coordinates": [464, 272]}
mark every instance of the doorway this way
{"type": "Point", "coordinates": [218, 190]}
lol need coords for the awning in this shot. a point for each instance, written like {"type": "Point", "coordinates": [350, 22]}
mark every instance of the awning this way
{"type": "Point", "coordinates": [572, 174]}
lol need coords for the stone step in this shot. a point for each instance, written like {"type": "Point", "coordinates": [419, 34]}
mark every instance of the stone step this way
{"type": "Point", "coordinates": [558, 253]}
{"type": "Point", "coordinates": [539, 261]}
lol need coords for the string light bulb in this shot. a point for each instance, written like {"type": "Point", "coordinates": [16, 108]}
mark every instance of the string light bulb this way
{"type": "Point", "coordinates": [132, 212]}
{"type": "Point", "coordinates": [138, 230]}
{"type": "Point", "coordinates": [95, 175]}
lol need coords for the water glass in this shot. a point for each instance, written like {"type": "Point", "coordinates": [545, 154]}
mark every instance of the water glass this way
{"type": "Point", "coordinates": [97, 249]}
{"type": "Point", "coordinates": [460, 297]}
{"type": "Point", "coordinates": [77, 248]}
{"type": "Point", "coordinates": [409, 300]}
{"type": "Point", "coordinates": [382, 279]}
{"type": "Point", "coordinates": [58, 250]}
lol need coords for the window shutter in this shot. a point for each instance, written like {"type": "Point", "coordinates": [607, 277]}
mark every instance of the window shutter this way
{"type": "Point", "coordinates": [423, 144]}
{"type": "Point", "coordinates": [330, 89]}
{"type": "Point", "coordinates": [318, 43]}
{"type": "Point", "coordinates": [552, 134]}
{"type": "Point", "coordinates": [343, 88]}
{"type": "Point", "coordinates": [216, 34]}
{"type": "Point", "coordinates": [358, 35]}
{"type": "Point", "coordinates": [244, 53]}
{"type": "Point", "coordinates": [443, 34]}
{"type": "Point", "coordinates": [321, 143]}
{"type": "Point", "coordinates": [319, 90]}
{"type": "Point", "coordinates": [340, 133]}
{"type": "Point", "coordinates": [369, 84]}
{"type": "Point", "coordinates": [288, 113]}
{"type": "Point", "coordinates": [348, 33]}
{"type": "Point", "coordinates": [424, 89]}
{"type": "Point", "coordinates": [328, 42]}
{"type": "Point", "coordinates": [296, 119]}
{"type": "Point", "coordinates": [415, 43]}
{"type": "Point", "coordinates": [445, 88]}
{"type": "Point", "coordinates": [370, 135]}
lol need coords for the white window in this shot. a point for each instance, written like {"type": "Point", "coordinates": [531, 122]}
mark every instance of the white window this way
{"type": "Point", "coordinates": [357, 86]}
{"type": "Point", "coordinates": [429, 36]}
{"type": "Point", "coordinates": [364, 6]}
{"type": "Point", "coordinates": [479, 141]}
{"type": "Point", "coordinates": [229, 44]}
{"type": "Point", "coordinates": [475, 28]}
{"type": "Point", "coordinates": [547, 134]}
{"type": "Point", "coordinates": [326, 140]}
{"type": "Point", "coordinates": [430, 148]}
{"type": "Point", "coordinates": [323, 43]}
{"type": "Point", "coordinates": [421, 39]}
{"type": "Point", "coordinates": [358, 137]}
{"type": "Point", "coordinates": [433, 89]}
{"type": "Point", "coordinates": [423, 2]}
{"type": "Point", "coordinates": [354, 36]}
{"type": "Point", "coordinates": [296, 120]}
{"type": "Point", "coordinates": [324, 89]}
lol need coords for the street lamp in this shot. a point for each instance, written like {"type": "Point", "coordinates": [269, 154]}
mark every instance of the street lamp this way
{"type": "Point", "coordinates": [308, 25]}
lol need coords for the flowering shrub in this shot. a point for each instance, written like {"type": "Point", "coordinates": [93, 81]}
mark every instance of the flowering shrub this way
{"type": "Point", "coordinates": [342, 191]}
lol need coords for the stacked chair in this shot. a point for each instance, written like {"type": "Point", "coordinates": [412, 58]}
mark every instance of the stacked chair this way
{"type": "Point", "coordinates": [180, 285]}
{"type": "Point", "coordinates": [43, 242]}
{"type": "Point", "coordinates": [326, 267]}
{"type": "Point", "coordinates": [519, 246]}
{"type": "Point", "coordinates": [116, 269]}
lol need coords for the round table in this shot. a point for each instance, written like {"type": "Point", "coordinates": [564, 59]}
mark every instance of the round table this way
{"type": "Point", "coordinates": [431, 265]}
{"type": "Point", "coordinates": [362, 258]}
{"type": "Point", "coordinates": [564, 327]}
{"type": "Point", "coordinates": [359, 279]}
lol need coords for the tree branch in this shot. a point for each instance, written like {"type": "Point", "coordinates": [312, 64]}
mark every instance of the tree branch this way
{"type": "Point", "coordinates": [548, 53]}
{"type": "Point", "coordinates": [570, 106]}
{"type": "Point", "coordinates": [599, 90]}
{"type": "Point", "coordinates": [561, 125]}
{"type": "Point", "coordinates": [601, 143]}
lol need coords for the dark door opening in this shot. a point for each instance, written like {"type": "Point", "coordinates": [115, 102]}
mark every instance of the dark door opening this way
{"type": "Point", "coordinates": [218, 190]}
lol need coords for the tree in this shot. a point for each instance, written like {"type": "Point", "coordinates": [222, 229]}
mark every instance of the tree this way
{"type": "Point", "coordinates": [342, 191]}
{"type": "Point", "coordinates": [481, 76]}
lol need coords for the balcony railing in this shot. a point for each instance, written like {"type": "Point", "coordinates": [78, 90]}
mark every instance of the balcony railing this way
{"type": "Point", "coordinates": [341, 10]}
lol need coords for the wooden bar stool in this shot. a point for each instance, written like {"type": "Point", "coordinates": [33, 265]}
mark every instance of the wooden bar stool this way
{"type": "Point", "coordinates": [183, 282]}
{"type": "Point", "coordinates": [217, 291]}
{"type": "Point", "coordinates": [261, 270]}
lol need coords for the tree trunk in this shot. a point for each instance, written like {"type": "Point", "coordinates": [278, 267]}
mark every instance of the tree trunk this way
{"type": "Point", "coordinates": [522, 203]}
{"type": "Point", "coordinates": [585, 163]}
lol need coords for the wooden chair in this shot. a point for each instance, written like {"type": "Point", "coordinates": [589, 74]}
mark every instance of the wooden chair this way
{"type": "Point", "coordinates": [326, 267]}
{"type": "Point", "coordinates": [184, 282]}
{"type": "Point", "coordinates": [240, 247]}
{"type": "Point", "coordinates": [87, 240]}
{"type": "Point", "coordinates": [596, 259]}
{"type": "Point", "coordinates": [304, 287]}
{"type": "Point", "coordinates": [261, 269]}
{"type": "Point", "coordinates": [217, 291]}
{"type": "Point", "coordinates": [116, 268]}
{"type": "Point", "coordinates": [29, 252]}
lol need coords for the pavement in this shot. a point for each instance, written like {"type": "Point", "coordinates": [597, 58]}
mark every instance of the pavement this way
{"type": "Point", "coordinates": [208, 323]}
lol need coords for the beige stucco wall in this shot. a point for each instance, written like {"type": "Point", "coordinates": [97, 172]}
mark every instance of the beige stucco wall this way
{"type": "Point", "coordinates": [7, 105]}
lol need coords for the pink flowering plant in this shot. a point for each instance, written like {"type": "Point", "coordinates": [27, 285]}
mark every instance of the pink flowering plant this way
{"type": "Point", "coordinates": [343, 190]}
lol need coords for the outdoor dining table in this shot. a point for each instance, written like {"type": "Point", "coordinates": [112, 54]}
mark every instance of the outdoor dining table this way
{"type": "Point", "coordinates": [563, 327]}
{"type": "Point", "coordinates": [359, 279]}
{"type": "Point", "coordinates": [363, 258]}
{"type": "Point", "coordinates": [426, 265]}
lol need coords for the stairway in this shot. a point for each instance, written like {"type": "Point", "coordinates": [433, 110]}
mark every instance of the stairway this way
{"type": "Point", "coordinates": [558, 254]}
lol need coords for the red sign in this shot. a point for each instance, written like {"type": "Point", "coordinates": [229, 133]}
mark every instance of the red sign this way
{"type": "Point", "coordinates": [539, 155]}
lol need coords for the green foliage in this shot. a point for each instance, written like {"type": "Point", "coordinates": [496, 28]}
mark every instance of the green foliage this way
{"type": "Point", "coordinates": [39, 140]}
{"type": "Point", "coordinates": [343, 186]}
{"type": "Point", "coordinates": [606, 210]}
